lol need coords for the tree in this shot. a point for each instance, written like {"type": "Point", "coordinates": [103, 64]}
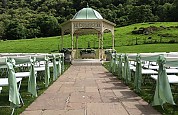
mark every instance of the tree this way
{"type": "Point", "coordinates": [38, 18]}
{"type": "Point", "coordinates": [95, 3]}
{"type": "Point", "coordinates": [122, 21]}
{"type": "Point", "coordinates": [175, 10]}
{"type": "Point", "coordinates": [4, 3]}
{"type": "Point", "coordinates": [2, 30]}
{"type": "Point", "coordinates": [15, 30]}
{"type": "Point", "coordinates": [160, 12]}
{"type": "Point", "coordinates": [48, 25]}
{"type": "Point", "coordinates": [168, 11]}
{"type": "Point", "coordinates": [141, 13]}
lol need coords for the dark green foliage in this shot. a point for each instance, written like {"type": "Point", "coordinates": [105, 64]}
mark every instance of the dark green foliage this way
{"type": "Point", "coordinates": [15, 30]}
{"type": "Point", "coordinates": [39, 18]}
{"type": "Point", "coordinates": [48, 26]}
{"type": "Point", "coordinates": [141, 13]}
{"type": "Point", "coordinates": [2, 30]}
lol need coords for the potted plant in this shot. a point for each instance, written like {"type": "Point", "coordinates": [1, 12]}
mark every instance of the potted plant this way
{"type": "Point", "coordinates": [87, 53]}
{"type": "Point", "coordinates": [67, 54]}
{"type": "Point", "coordinates": [108, 53]}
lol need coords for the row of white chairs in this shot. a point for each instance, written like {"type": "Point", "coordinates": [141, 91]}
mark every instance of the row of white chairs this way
{"type": "Point", "coordinates": [25, 62]}
{"type": "Point", "coordinates": [164, 74]}
{"type": "Point", "coordinates": [150, 68]}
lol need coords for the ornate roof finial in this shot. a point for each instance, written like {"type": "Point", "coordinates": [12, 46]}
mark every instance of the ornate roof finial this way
{"type": "Point", "coordinates": [87, 5]}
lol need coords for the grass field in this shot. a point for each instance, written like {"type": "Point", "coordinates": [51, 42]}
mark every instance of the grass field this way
{"type": "Point", "coordinates": [148, 48]}
{"type": "Point", "coordinates": [124, 41]}
{"type": "Point", "coordinates": [30, 45]}
{"type": "Point", "coordinates": [124, 35]}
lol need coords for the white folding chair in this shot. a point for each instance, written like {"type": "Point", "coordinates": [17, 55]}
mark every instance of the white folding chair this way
{"type": "Point", "coordinates": [0, 89]}
{"type": "Point", "coordinates": [171, 78]}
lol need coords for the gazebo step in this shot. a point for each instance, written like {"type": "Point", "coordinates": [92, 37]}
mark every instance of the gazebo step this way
{"type": "Point", "coordinates": [85, 62]}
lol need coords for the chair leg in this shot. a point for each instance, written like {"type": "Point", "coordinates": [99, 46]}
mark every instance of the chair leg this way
{"type": "Point", "coordinates": [12, 111]}
{"type": "Point", "coordinates": [20, 94]}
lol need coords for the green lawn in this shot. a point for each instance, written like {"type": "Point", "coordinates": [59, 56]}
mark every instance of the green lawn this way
{"type": "Point", "coordinates": [30, 45]}
{"type": "Point", "coordinates": [148, 48]}
{"type": "Point", "coordinates": [124, 35]}
{"type": "Point", "coordinates": [124, 41]}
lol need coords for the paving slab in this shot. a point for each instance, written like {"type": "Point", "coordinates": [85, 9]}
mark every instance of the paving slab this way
{"type": "Point", "coordinates": [94, 97]}
{"type": "Point", "coordinates": [73, 106]}
{"type": "Point", "coordinates": [89, 90]}
{"type": "Point", "coordinates": [33, 112]}
{"type": "Point", "coordinates": [64, 112]}
{"type": "Point", "coordinates": [105, 109]}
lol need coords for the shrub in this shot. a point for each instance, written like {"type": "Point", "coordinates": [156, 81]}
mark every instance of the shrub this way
{"type": "Point", "coordinates": [15, 30]}
{"type": "Point", "coordinates": [172, 41]}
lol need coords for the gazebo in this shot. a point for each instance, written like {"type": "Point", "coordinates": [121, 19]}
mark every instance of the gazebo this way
{"type": "Point", "coordinates": [90, 21]}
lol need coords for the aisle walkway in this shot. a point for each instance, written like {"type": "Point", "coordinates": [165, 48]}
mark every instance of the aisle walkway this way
{"type": "Point", "coordinates": [89, 90]}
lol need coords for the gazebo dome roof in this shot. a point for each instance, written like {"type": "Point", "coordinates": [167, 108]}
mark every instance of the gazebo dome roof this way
{"type": "Point", "coordinates": [87, 13]}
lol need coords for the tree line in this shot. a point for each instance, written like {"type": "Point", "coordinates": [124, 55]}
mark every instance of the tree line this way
{"type": "Point", "coordinates": [25, 19]}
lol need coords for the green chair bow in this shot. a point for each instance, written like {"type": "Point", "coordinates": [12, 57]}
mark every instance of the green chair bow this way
{"type": "Point", "coordinates": [13, 90]}
{"type": "Point", "coordinates": [54, 68]}
{"type": "Point", "coordinates": [32, 78]}
{"type": "Point", "coordinates": [47, 71]}
{"type": "Point", "coordinates": [163, 92]}
{"type": "Point", "coordinates": [120, 66]}
{"type": "Point", "coordinates": [127, 72]}
{"type": "Point", "coordinates": [138, 74]}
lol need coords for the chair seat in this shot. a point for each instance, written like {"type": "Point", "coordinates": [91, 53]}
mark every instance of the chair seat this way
{"type": "Point", "coordinates": [172, 71]}
{"type": "Point", "coordinates": [4, 81]}
{"type": "Point", "coordinates": [41, 68]}
{"type": "Point", "coordinates": [50, 64]}
{"type": "Point", "coordinates": [171, 78]}
{"type": "Point", "coordinates": [147, 71]}
{"type": "Point", "coordinates": [0, 89]}
{"type": "Point", "coordinates": [22, 74]}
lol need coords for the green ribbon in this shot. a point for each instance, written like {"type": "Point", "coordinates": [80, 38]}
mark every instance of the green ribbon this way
{"type": "Point", "coordinates": [47, 71]}
{"type": "Point", "coordinates": [110, 68]}
{"type": "Point", "coordinates": [120, 66]}
{"type": "Point", "coordinates": [138, 74]}
{"type": "Point", "coordinates": [127, 72]}
{"type": "Point", "coordinates": [163, 92]}
{"type": "Point", "coordinates": [59, 65]}
{"type": "Point", "coordinates": [114, 63]}
{"type": "Point", "coordinates": [62, 67]}
{"type": "Point", "coordinates": [54, 68]}
{"type": "Point", "coordinates": [32, 78]}
{"type": "Point", "coordinates": [13, 90]}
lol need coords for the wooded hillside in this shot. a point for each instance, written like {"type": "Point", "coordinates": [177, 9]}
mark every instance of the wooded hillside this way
{"type": "Point", "coordinates": [24, 19]}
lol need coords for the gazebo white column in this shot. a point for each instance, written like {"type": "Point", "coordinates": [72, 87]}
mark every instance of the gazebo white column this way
{"type": "Point", "coordinates": [62, 37]}
{"type": "Point", "coordinates": [77, 46]}
{"type": "Point", "coordinates": [113, 41]}
{"type": "Point", "coordinates": [99, 39]}
{"type": "Point", "coordinates": [72, 40]}
{"type": "Point", "coordinates": [101, 46]}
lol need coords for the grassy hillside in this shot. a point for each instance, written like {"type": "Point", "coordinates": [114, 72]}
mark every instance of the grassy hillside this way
{"type": "Point", "coordinates": [30, 45]}
{"type": "Point", "coordinates": [148, 48]}
{"type": "Point", "coordinates": [124, 41]}
{"type": "Point", "coordinates": [124, 35]}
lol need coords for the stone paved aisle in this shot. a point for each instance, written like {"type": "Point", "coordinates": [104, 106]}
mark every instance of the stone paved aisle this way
{"type": "Point", "coordinates": [89, 90]}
